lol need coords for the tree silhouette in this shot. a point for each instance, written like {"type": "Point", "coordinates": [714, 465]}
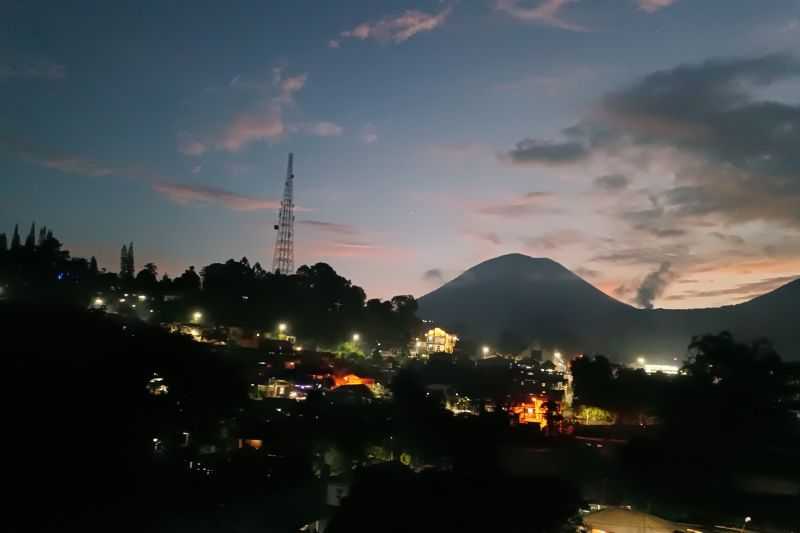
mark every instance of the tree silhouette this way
{"type": "Point", "coordinates": [93, 266]}
{"type": "Point", "coordinates": [30, 240]}
{"type": "Point", "coordinates": [123, 262]}
{"type": "Point", "coordinates": [3, 243]}
{"type": "Point", "coordinates": [131, 266]}
{"type": "Point", "coordinates": [15, 241]}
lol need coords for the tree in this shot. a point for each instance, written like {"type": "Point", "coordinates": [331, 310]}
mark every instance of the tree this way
{"type": "Point", "coordinates": [147, 278]}
{"type": "Point", "coordinates": [188, 281]}
{"type": "Point", "coordinates": [93, 266]}
{"type": "Point", "coordinates": [42, 236]}
{"type": "Point", "coordinates": [131, 263]}
{"type": "Point", "coordinates": [15, 240]}
{"type": "Point", "coordinates": [30, 240]}
{"type": "Point", "coordinates": [123, 262]}
{"type": "Point", "coordinates": [3, 243]}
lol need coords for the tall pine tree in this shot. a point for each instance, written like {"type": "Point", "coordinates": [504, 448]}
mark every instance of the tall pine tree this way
{"type": "Point", "coordinates": [123, 262]}
{"type": "Point", "coordinates": [15, 240]}
{"type": "Point", "coordinates": [42, 236]}
{"type": "Point", "coordinates": [93, 265]}
{"type": "Point", "coordinates": [30, 240]}
{"type": "Point", "coordinates": [131, 262]}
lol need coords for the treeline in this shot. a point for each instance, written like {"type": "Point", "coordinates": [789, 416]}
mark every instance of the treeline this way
{"type": "Point", "coordinates": [318, 304]}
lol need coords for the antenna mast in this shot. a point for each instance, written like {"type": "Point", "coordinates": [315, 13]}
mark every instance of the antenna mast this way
{"type": "Point", "coordinates": [283, 257]}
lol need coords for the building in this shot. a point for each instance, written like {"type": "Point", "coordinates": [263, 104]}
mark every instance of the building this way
{"type": "Point", "coordinates": [435, 340]}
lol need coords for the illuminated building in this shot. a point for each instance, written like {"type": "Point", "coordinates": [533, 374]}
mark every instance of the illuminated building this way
{"type": "Point", "coordinates": [352, 379]}
{"type": "Point", "coordinates": [671, 370]}
{"type": "Point", "coordinates": [533, 411]}
{"type": "Point", "coordinates": [436, 340]}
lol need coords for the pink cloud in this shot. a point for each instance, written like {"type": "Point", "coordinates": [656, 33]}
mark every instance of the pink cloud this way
{"type": "Point", "coordinates": [198, 194]}
{"type": "Point", "coordinates": [396, 29]}
{"type": "Point", "coordinates": [248, 128]}
{"type": "Point", "coordinates": [547, 13]}
{"type": "Point", "coordinates": [652, 6]}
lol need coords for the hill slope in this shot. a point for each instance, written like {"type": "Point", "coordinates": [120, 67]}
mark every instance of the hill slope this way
{"type": "Point", "coordinates": [538, 300]}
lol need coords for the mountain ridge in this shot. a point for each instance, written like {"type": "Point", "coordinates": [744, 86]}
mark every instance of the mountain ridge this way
{"type": "Point", "coordinates": [538, 300]}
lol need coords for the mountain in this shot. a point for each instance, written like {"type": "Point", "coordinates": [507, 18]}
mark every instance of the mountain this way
{"type": "Point", "coordinates": [516, 300]}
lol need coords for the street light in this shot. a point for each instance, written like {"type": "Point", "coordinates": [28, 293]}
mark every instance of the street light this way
{"type": "Point", "coordinates": [98, 302]}
{"type": "Point", "coordinates": [640, 360]}
{"type": "Point", "coordinates": [282, 327]}
{"type": "Point", "coordinates": [197, 316]}
{"type": "Point", "coordinates": [485, 351]}
{"type": "Point", "coordinates": [557, 355]}
{"type": "Point", "coordinates": [746, 521]}
{"type": "Point", "coordinates": [356, 337]}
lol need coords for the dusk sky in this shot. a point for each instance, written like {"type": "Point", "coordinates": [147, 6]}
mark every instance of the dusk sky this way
{"type": "Point", "coordinates": [633, 141]}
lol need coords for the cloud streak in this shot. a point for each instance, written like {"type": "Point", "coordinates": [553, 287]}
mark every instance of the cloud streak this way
{"type": "Point", "coordinates": [547, 13]}
{"type": "Point", "coordinates": [396, 29]}
{"type": "Point", "coordinates": [184, 194]}
{"type": "Point", "coordinates": [521, 206]}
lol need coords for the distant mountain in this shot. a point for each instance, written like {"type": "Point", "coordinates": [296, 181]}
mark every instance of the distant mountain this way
{"type": "Point", "coordinates": [519, 299]}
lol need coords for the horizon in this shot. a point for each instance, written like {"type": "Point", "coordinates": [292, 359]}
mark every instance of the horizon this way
{"type": "Point", "coordinates": [420, 151]}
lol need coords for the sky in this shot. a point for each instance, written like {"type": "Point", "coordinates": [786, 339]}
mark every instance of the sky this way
{"type": "Point", "coordinates": [651, 146]}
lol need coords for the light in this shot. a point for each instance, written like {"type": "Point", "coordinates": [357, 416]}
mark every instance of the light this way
{"type": "Point", "coordinates": [485, 350]}
{"type": "Point", "coordinates": [356, 337]}
{"type": "Point", "coordinates": [557, 355]}
{"type": "Point", "coordinates": [142, 297]}
{"type": "Point", "coordinates": [99, 301]}
{"type": "Point", "coordinates": [298, 348]}
{"type": "Point", "coordinates": [640, 360]}
{"type": "Point", "coordinates": [282, 327]}
{"type": "Point", "coordinates": [122, 300]}
{"type": "Point", "coordinates": [197, 316]}
{"type": "Point", "coordinates": [747, 519]}
{"type": "Point", "coordinates": [151, 310]}
{"type": "Point", "coordinates": [419, 343]}
{"type": "Point", "coordinates": [133, 305]}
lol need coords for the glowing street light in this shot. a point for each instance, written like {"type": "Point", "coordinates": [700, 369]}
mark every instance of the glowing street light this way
{"type": "Point", "coordinates": [98, 302]}
{"type": "Point", "coordinates": [557, 355]}
{"type": "Point", "coordinates": [197, 316]}
{"type": "Point", "coordinates": [485, 351]}
{"type": "Point", "coordinates": [746, 521]}
{"type": "Point", "coordinates": [282, 327]}
{"type": "Point", "coordinates": [356, 337]}
{"type": "Point", "coordinates": [142, 297]}
{"type": "Point", "coordinates": [641, 361]}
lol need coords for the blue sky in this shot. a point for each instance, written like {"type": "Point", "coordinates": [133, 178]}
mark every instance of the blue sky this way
{"type": "Point", "coordinates": [428, 136]}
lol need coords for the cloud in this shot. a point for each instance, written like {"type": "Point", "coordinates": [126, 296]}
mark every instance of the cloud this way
{"type": "Point", "coordinates": [612, 182]}
{"type": "Point", "coordinates": [246, 128]}
{"type": "Point", "coordinates": [585, 272]}
{"type": "Point", "coordinates": [320, 129]}
{"type": "Point", "coordinates": [369, 134]}
{"type": "Point", "coordinates": [396, 29]}
{"type": "Point", "coordinates": [29, 69]}
{"type": "Point", "coordinates": [524, 205]}
{"type": "Point", "coordinates": [179, 193]}
{"type": "Point", "coordinates": [329, 227]}
{"type": "Point", "coordinates": [489, 236]}
{"type": "Point", "coordinates": [244, 112]}
{"type": "Point", "coordinates": [728, 238]}
{"type": "Point", "coordinates": [197, 194]}
{"type": "Point", "coordinates": [547, 13]}
{"type": "Point", "coordinates": [651, 6]}
{"type": "Point", "coordinates": [547, 153]}
{"type": "Point", "coordinates": [733, 155]}
{"type": "Point", "coordinates": [554, 240]}
{"type": "Point", "coordinates": [672, 252]}
{"type": "Point", "coordinates": [653, 285]}
{"type": "Point", "coordinates": [744, 291]}
{"type": "Point", "coordinates": [434, 275]}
